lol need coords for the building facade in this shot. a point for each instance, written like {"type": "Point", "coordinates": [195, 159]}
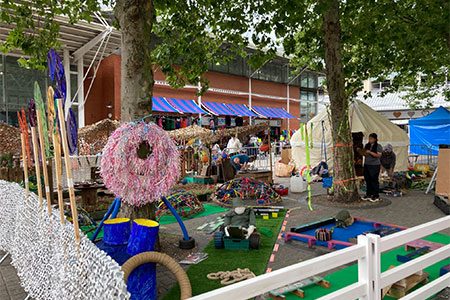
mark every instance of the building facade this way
{"type": "Point", "coordinates": [270, 86]}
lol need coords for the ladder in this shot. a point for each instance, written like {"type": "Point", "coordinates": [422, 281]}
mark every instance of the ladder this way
{"type": "Point", "coordinates": [432, 181]}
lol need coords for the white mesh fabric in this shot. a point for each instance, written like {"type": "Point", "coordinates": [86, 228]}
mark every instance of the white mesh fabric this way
{"type": "Point", "coordinates": [49, 264]}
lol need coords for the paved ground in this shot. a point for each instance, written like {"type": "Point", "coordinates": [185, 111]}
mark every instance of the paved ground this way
{"type": "Point", "coordinates": [412, 209]}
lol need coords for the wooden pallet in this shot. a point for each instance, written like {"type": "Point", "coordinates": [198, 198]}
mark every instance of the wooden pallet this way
{"type": "Point", "coordinates": [296, 288]}
{"type": "Point", "coordinates": [417, 244]}
{"type": "Point", "coordinates": [402, 287]}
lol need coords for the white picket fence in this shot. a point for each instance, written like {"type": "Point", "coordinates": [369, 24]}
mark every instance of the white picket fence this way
{"type": "Point", "coordinates": [370, 278]}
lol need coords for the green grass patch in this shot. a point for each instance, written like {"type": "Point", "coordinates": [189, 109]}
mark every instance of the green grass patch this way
{"type": "Point", "coordinates": [228, 260]}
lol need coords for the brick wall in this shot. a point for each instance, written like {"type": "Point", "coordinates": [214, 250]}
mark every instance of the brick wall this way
{"type": "Point", "coordinates": [106, 92]}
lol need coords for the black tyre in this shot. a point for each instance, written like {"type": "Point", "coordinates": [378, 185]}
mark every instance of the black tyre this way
{"type": "Point", "coordinates": [186, 244]}
{"type": "Point", "coordinates": [254, 240]}
{"type": "Point", "coordinates": [218, 240]}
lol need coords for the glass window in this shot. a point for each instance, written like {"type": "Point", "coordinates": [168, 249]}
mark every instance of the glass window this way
{"type": "Point", "coordinates": [17, 88]}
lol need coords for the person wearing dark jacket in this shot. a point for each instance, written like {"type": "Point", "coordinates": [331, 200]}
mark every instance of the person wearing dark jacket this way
{"type": "Point", "coordinates": [372, 164]}
{"type": "Point", "coordinates": [388, 159]}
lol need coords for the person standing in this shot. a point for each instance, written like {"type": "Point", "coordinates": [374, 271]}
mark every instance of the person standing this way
{"type": "Point", "coordinates": [388, 159]}
{"type": "Point", "coordinates": [372, 165]}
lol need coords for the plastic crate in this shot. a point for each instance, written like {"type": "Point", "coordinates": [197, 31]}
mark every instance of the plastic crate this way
{"type": "Point", "coordinates": [236, 244]}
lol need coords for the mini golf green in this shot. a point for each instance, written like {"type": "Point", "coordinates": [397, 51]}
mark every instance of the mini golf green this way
{"type": "Point", "coordinates": [228, 260]}
{"type": "Point", "coordinates": [210, 209]}
{"type": "Point", "coordinates": [349, 275]}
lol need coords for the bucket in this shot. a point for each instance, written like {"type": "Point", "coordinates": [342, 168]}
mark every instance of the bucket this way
{"type": "Point", "coordinates": [327, 182]}
{"type": "Point", "coordinates": [297, 184]}
{"type": "Point", "coordinates": [116, 231]}
{"type": "Point", "coordinates": [142, 281]}
{"type": "Point", "coordinates": [143, 236]}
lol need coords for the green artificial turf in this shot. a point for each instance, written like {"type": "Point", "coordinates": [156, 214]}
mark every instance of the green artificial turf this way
{"type": "Point", "coordinates": [349, 275]}
{"type": "Point", "coordinates": [210, 209]}
{"type": "Point", "coordinates": [228, 260]}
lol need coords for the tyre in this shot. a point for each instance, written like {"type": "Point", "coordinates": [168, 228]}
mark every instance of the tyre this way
{"type": "Point", "coordinates": [186, 244]}
{"type": "Point", "coordinates": [254, 240]}
{"type": "Point", "coordinates": [218, 240]}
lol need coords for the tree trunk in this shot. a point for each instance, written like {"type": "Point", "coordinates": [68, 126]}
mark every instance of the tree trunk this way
{"type": "Point", "coordinates": [146, 211]}
{"type": "Point", "coordinates": [345, 188]}
{"type": "Point", "coordinates": [135, 19]}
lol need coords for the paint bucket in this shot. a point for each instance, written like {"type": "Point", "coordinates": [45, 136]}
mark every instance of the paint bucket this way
{"type": "Point", "coordinates": [265, 217]}
{"type": "Point", "coordinates": [142, 281]}
{"type": "Point", "coordinates": [274, 215]}
{"type": "Point", "coordinates": [327, 182]}
{"type": "Point", "coordinates": [143, 236]}
{"type": "Point", "coordinates": [116, 231]}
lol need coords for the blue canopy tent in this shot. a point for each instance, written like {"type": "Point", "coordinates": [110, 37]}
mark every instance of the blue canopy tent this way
{"type": "Point", "coordinates": [429, 132]}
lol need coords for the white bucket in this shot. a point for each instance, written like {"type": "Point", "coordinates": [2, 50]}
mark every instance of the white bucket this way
{"type": "Point", "coordinates": [297, 184]}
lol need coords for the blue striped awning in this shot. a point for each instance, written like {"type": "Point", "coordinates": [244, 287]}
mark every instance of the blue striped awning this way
{"type": "Point", "coordinates": [283, 113]}
{"type": "Point", "coordinates": [161, 105]}
{"type": "Point", "coordinates": [241, 110]}
{"type": "Point", "coordinates": [272, 112]}
{"type": "Point", "coordinates": [186, 106]}
{"type": "Point", "coordinates": [218, 109]}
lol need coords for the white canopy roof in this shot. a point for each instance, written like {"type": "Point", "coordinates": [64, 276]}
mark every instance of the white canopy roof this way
{"type": "Point", "coordinates": [362, 119]}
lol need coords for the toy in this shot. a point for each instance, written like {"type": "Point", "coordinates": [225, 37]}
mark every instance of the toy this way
{"type": "Point", "coordinates": [412, 255]}
{"type": "Point", "coordinates": [238, 229]}
{"type": "Point", "coordinates": [297, 288]}
{"type": "Point", "coordinates": [444, 270]}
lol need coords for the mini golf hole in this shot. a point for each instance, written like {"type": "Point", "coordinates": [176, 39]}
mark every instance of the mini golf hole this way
{"type": "Point", "coordinates": [144, 150]}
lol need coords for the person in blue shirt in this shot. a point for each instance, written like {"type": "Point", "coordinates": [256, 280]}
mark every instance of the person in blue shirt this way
{"type": "Point", "coordinates": [240, 161]}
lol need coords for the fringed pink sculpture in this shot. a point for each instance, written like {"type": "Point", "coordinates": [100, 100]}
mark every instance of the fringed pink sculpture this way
{"type": "Point", "coordinates": [140, 163]}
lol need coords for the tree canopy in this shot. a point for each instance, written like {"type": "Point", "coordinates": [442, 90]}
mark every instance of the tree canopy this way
{"type": "Point", "coordinates": [397, 39]}
{"type": "Point", "coordinates": [187, 35]}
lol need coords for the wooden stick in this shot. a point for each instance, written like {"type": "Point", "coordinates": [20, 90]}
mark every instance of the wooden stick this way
{"type": "Point", "coordinates": [73, 204]}
{"type": "Point", "coordinates": [25, 166]}
{"type": "Point", "coordinates": [58, 170]}
{"type": "Point", "coordinates": [44, 163]}
{"type": "Point", "coordinates": [36, 164]}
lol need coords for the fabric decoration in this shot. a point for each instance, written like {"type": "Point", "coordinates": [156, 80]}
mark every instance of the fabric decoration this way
{"type": "Point", "coordinates": [41, 107]}
{"type": "Point", "coordinates": [137, 180]}
{"type": "Point", "coordinates": [32, 113]}
{"type": "Point", "coordinates": [72, 132]}
{"type": "Point", "coordinates": [57, 74]}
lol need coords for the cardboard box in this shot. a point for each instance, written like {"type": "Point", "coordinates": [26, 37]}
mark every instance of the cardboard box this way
{"type": "Point", "coordinates": [286, 155]}
{"type": "Point", "coordinates": [443, 173]}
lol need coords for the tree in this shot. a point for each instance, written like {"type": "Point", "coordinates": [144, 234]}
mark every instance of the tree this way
{"type": "Point", "coordinates": [180, 37]}
{"type": "Point", "coordinates": [357, 40]}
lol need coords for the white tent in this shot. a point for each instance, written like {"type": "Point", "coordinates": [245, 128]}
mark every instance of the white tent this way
{"type": "Point", "coordinates": [362, 119]}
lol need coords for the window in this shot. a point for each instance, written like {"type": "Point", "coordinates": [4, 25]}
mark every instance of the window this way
{"type": "Point", "coordinates": [308, 80]}
{"type": "Point", "coordinates": [308, 105]}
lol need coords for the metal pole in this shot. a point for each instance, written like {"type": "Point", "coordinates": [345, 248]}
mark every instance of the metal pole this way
{"type": "Point", "coordinates": [199, 87]}
{"type": "Point", "coordinates": [250, 96]}
{"type": "Point", "coordinates": [288, 100]}
{"type": "Point", "coordinates": [80, 83]}
{"type": "Point", "coordinates": [3, 258]}
{"type": "Point", "coordinates": [66, 62]}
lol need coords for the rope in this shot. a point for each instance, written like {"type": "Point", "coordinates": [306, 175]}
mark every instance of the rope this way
{"type": "Point", "coordinates": [230, 277]}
